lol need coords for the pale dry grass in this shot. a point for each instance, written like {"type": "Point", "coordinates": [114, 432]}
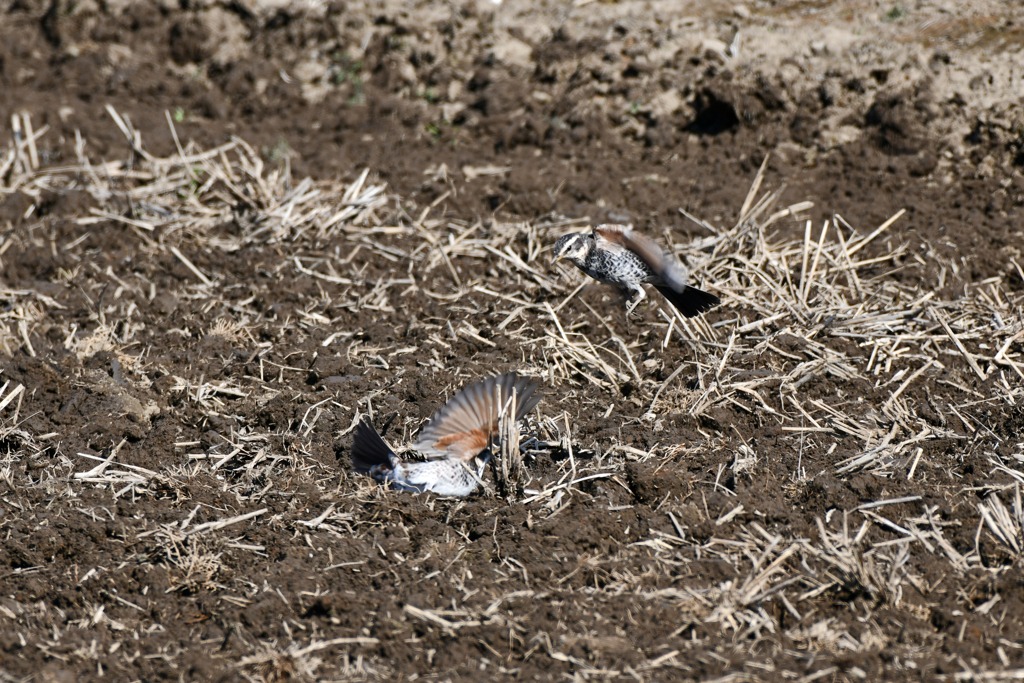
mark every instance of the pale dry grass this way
{"type": "Point", "coordinates": [805, 294]}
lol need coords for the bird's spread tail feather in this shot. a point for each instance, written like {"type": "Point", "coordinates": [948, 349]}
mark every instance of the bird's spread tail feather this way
{"type": "Point", "coordinates": [690, 301]}
{"type": "Point", "coordinates": [369, 449]}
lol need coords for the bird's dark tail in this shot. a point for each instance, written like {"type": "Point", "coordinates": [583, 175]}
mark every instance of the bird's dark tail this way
{"type": "Point", "coordinates": [691, 301]}
{"type": "Point", "coordinates": [369, 450]}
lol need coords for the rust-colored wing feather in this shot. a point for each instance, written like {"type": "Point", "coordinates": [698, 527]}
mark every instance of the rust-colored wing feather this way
{"type": "Point", "coordinates": [663, 265]}
{"type": "Point", "coordinates": [610, 236]}
{"type": "Point", "coordinates": [464, 427]}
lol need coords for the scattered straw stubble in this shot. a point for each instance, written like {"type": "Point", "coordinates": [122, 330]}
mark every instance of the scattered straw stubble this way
{"type": "Point", "coordinates": [799, 314]}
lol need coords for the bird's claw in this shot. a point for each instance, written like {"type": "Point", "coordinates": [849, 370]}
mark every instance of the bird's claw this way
{"type": "Point", "coordinates": [631, 312]}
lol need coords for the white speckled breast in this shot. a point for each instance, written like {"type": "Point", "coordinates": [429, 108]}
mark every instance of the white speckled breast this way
{"type": "Point", "coordinates": [617, 268]}
{"type": "Point", "coordinates": [443, 477]}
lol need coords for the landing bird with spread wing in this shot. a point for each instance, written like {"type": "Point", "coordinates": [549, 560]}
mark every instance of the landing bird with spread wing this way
{"type": "Point", "coordinates": [620, 256]}
{"type": "Point", "coordinates": [456, 441]}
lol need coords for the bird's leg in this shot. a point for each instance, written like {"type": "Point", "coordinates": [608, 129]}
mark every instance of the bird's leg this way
{"type": "Point", "coordinates": [640, 296]}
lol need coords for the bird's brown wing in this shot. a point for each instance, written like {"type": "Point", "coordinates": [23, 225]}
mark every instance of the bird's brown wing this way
{"type": "Point", "coordinates": [617, 237]}
{"type": "Point", "coordinates": [610, 237]}
{"type": "Point", "coordinates": [465, 425]}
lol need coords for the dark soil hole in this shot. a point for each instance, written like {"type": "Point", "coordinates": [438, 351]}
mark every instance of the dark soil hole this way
{"type": "Point", "coordinates": [714, 115]}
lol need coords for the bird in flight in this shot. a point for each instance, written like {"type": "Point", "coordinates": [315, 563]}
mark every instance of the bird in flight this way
{"type": "Point", "coordinates": [456, 441]}
{"type": "Point", "coordinates": [620, 256]}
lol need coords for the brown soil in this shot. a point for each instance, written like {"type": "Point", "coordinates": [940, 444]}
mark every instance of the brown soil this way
{"type": "Point", "coordinates": [518, 124]}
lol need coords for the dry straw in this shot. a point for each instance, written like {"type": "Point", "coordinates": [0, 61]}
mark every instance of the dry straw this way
{"type": "Point", "coordinates": [816, 307]}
